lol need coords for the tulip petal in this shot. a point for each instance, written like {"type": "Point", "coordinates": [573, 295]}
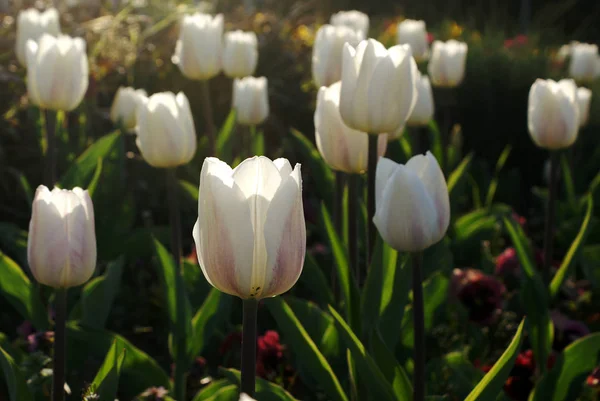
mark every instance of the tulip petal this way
{"type": "Point", "coordinates": [385, 169]}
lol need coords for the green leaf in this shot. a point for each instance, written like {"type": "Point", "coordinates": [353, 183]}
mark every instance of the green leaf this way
{"type": "Point", "coordinates": [213, 388]}
{"type": "Point", "coordinates": [227, 393]}
{"type": "Point", "coordinates": [567, 178]}
{"type": "Point", "coordinates": [13, 241]}
{"type": "Point", "coordinates": [391, 369]}
{"type": "Point", "coordinates": [225, 138]}
{"type": "Point", "coordinates": [374, 379]}
{"type": "Point", "coordinates": [304, 348]}
{"type": "Point", "coordinates": [564, 381]}
{"type": "Point", "coordinates": [189, 191]}
{"type": "Point", "coordinates": [265, 390]}
{"type": "Point", "coordinates": [258, 140]}
{"type": "Point", "coordinates": [489, 199]}
{"type": "Point", "coordinates": [99, 294]}
{"type": "Point", "coordinates": [459, 174]}
{"type": "Point", "coordinates": [453, 373]}
{"type": "Point", "coordinates": [15, 382]}
{"type": "Point", "coordinates": [578, 242]}
{"type": "Point", "coordinates": [394, 302]}
{"type": "Point", "coordinates": [96, 177]}
{"type": "Point", "coordinates": [313, 280]}
{"type": "Point", "coordinates": [106, 382]}
{"type": "Point", "coordinates": [19, 291]}
{"type": "Point", "coordinates": [491, 385]}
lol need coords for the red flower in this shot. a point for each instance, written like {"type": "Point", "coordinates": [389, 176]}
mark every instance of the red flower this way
{"type": "Point", "coordinates": [430, 37]}
{"type": "Point", "coordinates": [593, 380]}
{"type": "Point", "coordinates": [481, 294]}
{"type": "Point", "coordinates": [269, 354]}
{"type": "Point", "coordinates": [517, 41]}
{"type": "Point", "coordinates": [507, 263]}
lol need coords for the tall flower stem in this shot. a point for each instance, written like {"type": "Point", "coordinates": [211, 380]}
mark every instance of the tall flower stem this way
{"type": "Point", "coordinates": [60, 345]}
{"type": "Point", "coordinates": [353, 216]}
{"type": "Point", "coordinates": [249, 346]}
{"type": "Point", "coordinates": [207, 113]}
{"type": "Point", "coordinates": [338, 217]}
{"type": "Point", "coordinates": [371, 169]}
{"type": "Point", "coordinates": [549, 226]}
{"type": "Point", "coordinates": [419, 329]}
{"type": "Point", "coordinates": [50, 167]}
{"type": "Point", "coordinates": [179, 383]}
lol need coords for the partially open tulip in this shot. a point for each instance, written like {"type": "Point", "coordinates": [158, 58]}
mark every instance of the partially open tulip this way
{"type": "Point", "coordinates": [240, 54]}
{"type": "Point", "coordinates": [31, 25]}
{"type": "Point", "coordinates": [250, 234]}
{"type": "Point", "coordinates": [251, 100]}
{"type": "Point", "coordinates": [327, 52]}
{"type": "Point", "coordinates": [198, 50]}
{"type": "Point", "coordinates": [125, 106]}
{"type": "Point", "coordinates": [342, 148]}
{"type": "Point", "coordinates": [378, 86]}
{"type": "Point", "coordinates": [424, 107]}
{"type": "Point", "coordinates": [553, 113]}
{"type": "Point", "coordinates": [447, 64]}
{"type": "Point", "coordinates": [414, 33]}
{"type": "Point", "coordinates": [165, 132]}
{"type": "Point", "coordinates": [57, 72]}
{"type": "Point", "coordinates": [585, 62]}
{"type": "Point", "coordinates": [61, 247]}
{"type": "Point", "coordinates": [412, 204]}
{"type": "Point", "coordinates": [352, 19]}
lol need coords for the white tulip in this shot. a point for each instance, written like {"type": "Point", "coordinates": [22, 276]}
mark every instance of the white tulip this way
{"type": "Point", "coordinates": [250, 234]}
{"type": "Point", "coordinates": [378, 86]}
{"type": "Point", "coordinates": [447, 64]}
{"type": "Point", "coordinates": [412, 207]}
{"type": "Point", "coordinates": [31, 25]}
{"type": "Point", "coordinates": [251, 100]}
{"type": "Point", "coordinates": [61, 247]}
{"type": "Point", "coordinates": [125, 105]}
{"type": "Point", "coordinates": [327, 52]}
{"type": "Point", "coordinates": [165, 132]}
{"type": "Point", "coordinates": [553, 113]}
{"type": "Point", "coordinates": [584, 62]}
{"type": "Point", "coordinates": [584, 98]}
{"type": "Point", "coordinates": [199, 47]}
{"type": "Point", "coordinates": [424, 108]}
{"type": "Point", "coordinates": [342, 148]}
{"type": "Point", "coordinates": [414, 33]}
{"type": "Point", "coordinates": [352, 19]}
{"type": "Point", "coordinates": [240, 54]}
{"type": "Point", "coordinates": [57, 72]}
{"type": "Point", "coordinates": [246, 397]}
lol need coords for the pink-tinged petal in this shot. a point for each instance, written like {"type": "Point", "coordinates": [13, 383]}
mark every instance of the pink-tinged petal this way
{"type": "Point", "coordinates": [385, 169]}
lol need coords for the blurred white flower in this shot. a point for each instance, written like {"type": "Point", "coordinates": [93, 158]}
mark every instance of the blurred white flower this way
{"type": "Point", "coordinates": [424, 107]}
{"type": "Point", "coordinates": [125, 106]}
{"type": "Point", "coordinates": [414, 33]}
{"type": "Point", "coordinates": [251, 100]}
{"type": "Point", "coordinates": [352, 19]}
{"type": "Point", "coordinates": [447, 64]}
{"type": "Point", "coordinates": [240, 54]}
{"type": "Point", "coordinates": [584, 62]}
{"type": "Point", "coordinates": [31, 25]}
{"type": "Point", "coordinates": [327, 52]}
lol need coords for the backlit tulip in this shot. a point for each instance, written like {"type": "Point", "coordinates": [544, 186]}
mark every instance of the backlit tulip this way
{"type": "Point", "coordinates": [240, 54]}
{"type": "Point", "coordinates": [251, 100]}
{"type": "Point", "coordinates": [584, 98]}
{"type": "Point", "coordinates": [165, 132]}
{"type": "Point", "coordinates": [327, 52]}
{"type": "Point", "coordinates": [424, 107]}
{"type": "Point", "coordinates": [378, 86]}
{"type": "Point", "coordinates": [61, 247]}
{"type": "Point", "coordinates": [57, 72]}
{"type": "Point", "coordinates": [352, 19]}
{"type": "Point", "coordinates": [412, 204]}
{"type": "Point", "coordinates": [414, 33]}
{"type": "Point", "coordinates": [31, 25]}
{"type": "Point", "coordinates": [250, 234]}
{"type": "Point", "coordinates": [342, 148]}
{"type": "Point", "coordinates": [125, 105]}
{"type": "Point", "coordinates": [447, 64]}
{"type": "Point", "coordinates": [553, 113]}
{"type": "Point", "coordinates": [198, 50]}
{"type": "Point", "coordinates": [584, 62]}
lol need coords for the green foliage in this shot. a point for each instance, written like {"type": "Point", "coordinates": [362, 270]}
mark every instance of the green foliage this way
{"type": "Point", "coordinates": [106, 382]}
{"type": "Point", "coordinates": [17, 386]}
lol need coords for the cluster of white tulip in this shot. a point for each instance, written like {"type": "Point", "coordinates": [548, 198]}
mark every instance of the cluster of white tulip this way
{"type": "Point", "coordinates": [584, 63]}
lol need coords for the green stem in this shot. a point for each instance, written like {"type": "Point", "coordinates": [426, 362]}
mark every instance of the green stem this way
{"type": "Point", "coordinates": [353, 216]}
{"type": "Point", "coordinates": [549, 226]}
{"type": "Point", "coordinates": [419, 329]}
{"type": "Point", "coordinates": [371, 170]}
{"type": "Point", "coordinates": [59, 362]}
{"type": "Point", "coordinates": [207, 113]}
{"type": "Point", "coordinates": [50, 168]}
{"type": "Point", "coordinates": [248, 368]}
{"type": "Point", "coordinates": [338, 218]}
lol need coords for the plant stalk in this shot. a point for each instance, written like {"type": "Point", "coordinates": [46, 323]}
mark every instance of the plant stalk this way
{"type": "Point", "coordinates": [207, 113]}
{"type": "Point", "coordinates": [60, 345]}
{"type": "Point", "coordinates": [248, 368]}
{"type": "Point", "coordinates": [353, 218]}
{"type": "Point", "coordinates": [371, 170]}
{"type": "Point", "coordinates": [549, 225]}
{"type": "Point", "coordinates": [419, 329]}
{"type": "Point", "coordinates": [50, 168]}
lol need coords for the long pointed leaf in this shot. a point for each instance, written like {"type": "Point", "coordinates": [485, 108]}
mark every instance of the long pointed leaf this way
{"type": "Point", "coordinates": [213, 314]}
{"type": "Point", "coordinates": [106, 382]}
{"type": "Point", "coordinates": [15, 382]}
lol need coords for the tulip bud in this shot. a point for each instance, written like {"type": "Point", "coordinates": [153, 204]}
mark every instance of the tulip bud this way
{"type": "Point", "coordinates": [447, 64]}
{"type": "Point", "coordinates": [584, 62]}
{"type": "Point", "coordinates": [57, 72]}
{"type": "Point", "coordinates": [125, 105]}
{"type": "Point", "coordinates": [165, 130]}
{"type": "Point", "coordinates": [240, 54]}
{"type": "Point", "coordinates": [250, 234]}
{"type": "Point", "coordinates": [424, 107]}
{"type": "Point", "coordinates": [343, 148]}
{"type": "Point", "coordinates": [251, 100]}
{"type": "Point", "coordinates": [327, 52]}
{"type": "Point", "coordinates": [414, 33]}
{"type": "Point", "coordinates": [31, 25]}
{"type": "Point", "coordinates": [584, 98]}
{"type": "Point", "coordinates": [352, 19]}
{"type": "Point", "coordinates": [198, 49]}
{"type": "Point", "coordinates": [412, 207]}
{"type": "Point", "coordinates": [553, 113]}
{"type": "Point", "coordinates": [61, 247]}
{"type": "Point", "coordinates": [378, 86]}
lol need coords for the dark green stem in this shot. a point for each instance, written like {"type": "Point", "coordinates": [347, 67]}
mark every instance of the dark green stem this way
{"type": "Point", "coordinates": [419, 329]}
{"type": "Point", "coordinates": [207, 113]}
{"type": "Point", "coordinates": [549, 226]}
{"type": "Point", "coordinates": [60, 345]}
{"type": "Point", "coordinates": [353, 216]}
{"type": "Point", "coordinates": [371, 169]}
{"type": "Point", "coordinates": [249, 346]}
{"type": "Point", "coordinates": [419, 135]}
{"type": "Point", "coordinates": [50, 168]}
{"type": "Point", "coordinates": [338, 218]}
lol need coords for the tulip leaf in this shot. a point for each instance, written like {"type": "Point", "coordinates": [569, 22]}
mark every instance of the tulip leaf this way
{"type": "Point", "coordinates": [265, 390]}
{"type": "Point", "coordinates": [225, 138]}
{"type": "Point", "coordinates": [567, 178]}
{"type": "Point", "coordinates": [95, 178]}
{"type": "Point", "coordinates": [13, 241]}
{"type": "Point", "coordinates": [374, 379]}
{"type": "Point", "coordinates": [189, 191]}
{"type": "Point", "coordinates": [391, 369]}
{"type": "Point", "coordinates": [15, 382]}
{"type": "Point", "coordinates": [229, 392]}
{"type": "Point", "coordinates": [459, 174]}
{"type": "Point", "coordinates": [491, 385]}
{"type": "Point", "coordinates": [106, 382]}
{"type": "Point", "coordinates": [564, 381]}
{"type": "Point", "coordinates": [489, 199]}
{"type": "Point", "coordinates": [393, 303]}
{"type": "Point", "coordinates": [21, 293]}
{"type": "Point", "coordinates": [213, 388]}
{"type": "Point", "coordinates": [578, 242]}
{"type": "Point", "coordinates": [313, 280]}
{"type": "Point", "coordinates": [304, 348]}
